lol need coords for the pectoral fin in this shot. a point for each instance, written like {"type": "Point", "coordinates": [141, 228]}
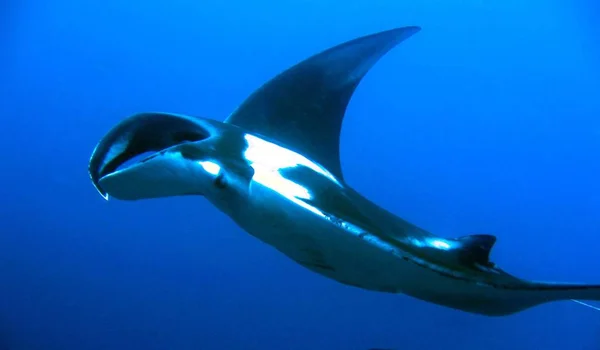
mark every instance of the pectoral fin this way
{"type": "Point", "coordinates": [303, 107]}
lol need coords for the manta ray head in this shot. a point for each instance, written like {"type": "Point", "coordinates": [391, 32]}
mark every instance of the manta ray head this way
{"type": "Point", "coordinates": [152, 155]}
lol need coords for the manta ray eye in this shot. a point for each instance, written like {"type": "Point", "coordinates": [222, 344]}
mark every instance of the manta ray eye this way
{"type": "Point", "coordinates": [220, 181]}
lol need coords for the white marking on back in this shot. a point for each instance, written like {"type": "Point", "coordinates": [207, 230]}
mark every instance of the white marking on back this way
{"type": "Point", "coordinates": [274, 156]}
{"type": "Point", "coordinates": [210, 167]}
{"type": "Point", "coordinates": [267, 159]}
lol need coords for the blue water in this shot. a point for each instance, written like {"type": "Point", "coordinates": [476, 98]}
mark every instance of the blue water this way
{"type": "Point", "coordinates": [487, 121]}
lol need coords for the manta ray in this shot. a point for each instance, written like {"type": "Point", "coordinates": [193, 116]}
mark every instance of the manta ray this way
{"type": "Point", "coordinates": [273, 166]}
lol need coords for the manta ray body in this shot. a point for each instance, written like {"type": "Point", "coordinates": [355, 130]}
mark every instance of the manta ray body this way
{"type": "Point", "coordinates": [273, 166]}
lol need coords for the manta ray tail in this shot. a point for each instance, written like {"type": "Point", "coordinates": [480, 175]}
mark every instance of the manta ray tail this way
{"type": "Point", "coordinates": [548, 292]}
{"type": "Point", "coordinates": [586, 304]}
{"type": "Point", "coordinates": [512, 300]}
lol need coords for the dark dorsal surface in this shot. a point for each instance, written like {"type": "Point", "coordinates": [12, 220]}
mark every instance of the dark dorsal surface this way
{"type": "Point", "coordinates": [304, 106]}
{"type": "Point", "coordinates": [475, 249]}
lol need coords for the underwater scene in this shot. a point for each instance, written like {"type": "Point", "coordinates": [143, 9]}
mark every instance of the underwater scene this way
{"type": "Point", "coordinates": [300, 174]}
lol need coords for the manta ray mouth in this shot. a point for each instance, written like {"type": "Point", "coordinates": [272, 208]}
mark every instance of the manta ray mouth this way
{"type": "Point", "coordinates": [135, 160]}
{"type": "Point", "coordinates": [139, 139]}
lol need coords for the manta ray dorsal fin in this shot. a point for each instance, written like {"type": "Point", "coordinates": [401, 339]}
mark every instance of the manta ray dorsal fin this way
{"type": "Point", "coordinates": [304, 106]}
{"type": "Point", "coordinates": [475, 249]}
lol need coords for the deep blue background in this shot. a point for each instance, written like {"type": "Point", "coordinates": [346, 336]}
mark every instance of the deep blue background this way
{"type": "Point", "coordinates": [487, 121]}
